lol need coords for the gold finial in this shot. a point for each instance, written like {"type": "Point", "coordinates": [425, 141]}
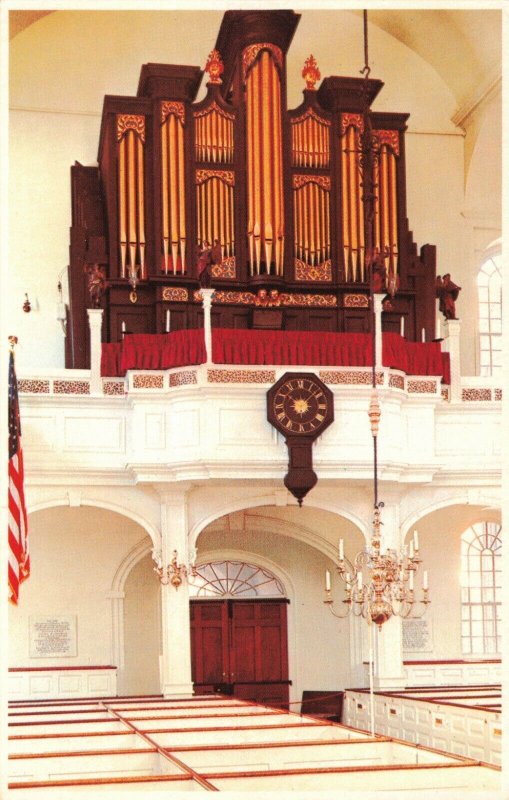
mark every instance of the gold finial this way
{"type": "Point", "coordinates": [13, 341]}
{"type": "Point", "coordinates": [374, 413]}
{"type": "Point", "coordinates": [214, 67]}
{"type": "Point", "coordinates": [311, 73]}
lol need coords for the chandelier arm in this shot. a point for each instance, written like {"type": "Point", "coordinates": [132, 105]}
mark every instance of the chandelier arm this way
{"type": "Point", "coordinates": [335, 613]}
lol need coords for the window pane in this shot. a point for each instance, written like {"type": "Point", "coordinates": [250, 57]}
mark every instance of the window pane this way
{"type": "Point", "coordinates": [466, 647]}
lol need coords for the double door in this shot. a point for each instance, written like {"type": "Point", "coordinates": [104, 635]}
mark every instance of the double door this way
{"type": "Point", "coordinates": [240, 647]}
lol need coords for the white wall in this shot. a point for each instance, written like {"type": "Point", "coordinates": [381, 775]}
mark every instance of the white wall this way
{"type": "Point", "coordinates": [74, 553]}
{"type": "Point", "coordinates": [142, 631]}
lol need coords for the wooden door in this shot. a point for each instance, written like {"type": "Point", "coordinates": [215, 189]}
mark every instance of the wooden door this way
{"type": "Point", "coordinates": [209, 645]}
{"type": "Point", "coordinates": [240, 647]}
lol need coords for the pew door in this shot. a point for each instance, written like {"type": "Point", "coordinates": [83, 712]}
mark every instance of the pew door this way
{"type": "Point", "coordinates": [240, 647]}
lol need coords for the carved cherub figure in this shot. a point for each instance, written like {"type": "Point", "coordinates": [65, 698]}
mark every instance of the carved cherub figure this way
{"type": "Point", "coordinates": [447, 293]}
{"type": "Point", "coordinates": [207, 257]}
{"type": "Point", "coordinates": [97, 283]}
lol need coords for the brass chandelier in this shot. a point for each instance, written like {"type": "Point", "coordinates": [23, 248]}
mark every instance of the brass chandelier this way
{"type": "Point", "coordinates": [379, 584]}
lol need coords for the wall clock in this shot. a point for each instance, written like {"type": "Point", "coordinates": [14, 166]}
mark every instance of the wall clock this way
{"type": "Point", "coordinates": [301, 407]}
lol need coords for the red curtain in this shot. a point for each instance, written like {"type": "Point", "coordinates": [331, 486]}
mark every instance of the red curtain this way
{"type": "Point", "coordinates": [290, 347]}
{"type": "Point", "coordinates": [230, 346]}
{"type": "Point", "coordinates": [111, 354]}
{"type": "Point", "coordinates": [414, 358]}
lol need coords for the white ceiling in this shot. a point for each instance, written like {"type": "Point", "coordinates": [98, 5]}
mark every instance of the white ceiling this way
{"type": "Point", "coordinates": [463, 46]}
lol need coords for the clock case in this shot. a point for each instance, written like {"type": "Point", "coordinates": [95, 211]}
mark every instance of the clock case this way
{"type": "Point", "coordinates": [300, 477]}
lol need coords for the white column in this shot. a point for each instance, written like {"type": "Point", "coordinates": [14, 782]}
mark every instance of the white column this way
{"type": "Point", "coordinates": [95, 321]}
{"type": "Point", "coordinates": [117, 599]}
{"type": "Point", "coordinates": [388, 643]}
{"type": "Point", "coordinates": [176, 628]}
{"type": "Point", "coordinates": [452, 346]}
{"type": "Point", "coordinates": [207, 303]}
{"type": "Point", "coordinates": [378, 300]}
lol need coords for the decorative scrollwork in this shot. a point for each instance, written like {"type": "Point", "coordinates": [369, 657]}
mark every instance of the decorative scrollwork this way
{"type": "Point", "coordinates": [174, 294]}
{"type": "Point", "coordinates": [172, 107]}
{"type": "Point", "coordinates": [355, 301]}
{"type": "Point", "coordinates": [213, 107]}
{"type": "Point", "coordinates": [250, 53]}
{"type": "Point", "coordinates": [320, 180]}
{"type": "Point", "coordinates": [316, 272]}
{"type": "Point", "coordinates": [227, 176]}
{"type": "Point", "coordinates": [390, 138]}
{"type": "Point", "coordinates": [133, 122]}
{"type": "Point", "coordinates": [354, 120]}
{"type": "Point", "coordinates": [310, 112]}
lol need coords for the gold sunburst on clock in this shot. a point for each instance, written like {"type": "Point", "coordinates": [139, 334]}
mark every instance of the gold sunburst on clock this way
{"type": "Point", "coordinates": [300, 405]}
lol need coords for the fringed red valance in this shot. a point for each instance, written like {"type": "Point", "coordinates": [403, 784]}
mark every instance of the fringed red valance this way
{"type": "Point", "coordinates": [229, 346]}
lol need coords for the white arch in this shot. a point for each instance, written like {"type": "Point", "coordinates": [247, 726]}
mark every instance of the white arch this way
{"type": "Point", "coordinates": [150, 529]}
{"type": "Point", "coordinates": [135, 554]}
{"type": "Point", "coordinates": [463, 499]}
{"type": "Point", "coordinates": [269, 500]}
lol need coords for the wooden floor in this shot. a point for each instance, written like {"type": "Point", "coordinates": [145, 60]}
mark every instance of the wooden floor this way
{"type": "Point", "coordinates": [210, 743]}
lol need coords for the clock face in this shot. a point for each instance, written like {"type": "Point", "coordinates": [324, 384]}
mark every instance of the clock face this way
{"type": "Point", "coordinates": [301, 405]}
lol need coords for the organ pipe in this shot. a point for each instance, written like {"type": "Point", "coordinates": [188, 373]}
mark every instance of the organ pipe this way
{"type": "Point", "coordinates": [265, 174]}
{"type": "Point", "coordinates": [311, 214]}
{"type": "Point", "coordinates": [141, 205]}
{"type": "Point", "coordinates": [173, 187]}
{"type": "Point", "coordinates": [130, 133]}
{"type": "Point", "coordinates": [214, 209]}
{"type": "Point", "coordinates": [122, 203]}
{"type": "Point", "coordinates": [310, 141]}
{"type": "Point", "coordinates": [214, 135]}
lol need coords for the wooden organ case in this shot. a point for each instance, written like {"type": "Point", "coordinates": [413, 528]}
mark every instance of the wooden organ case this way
{"type": "Point", "coordinates": [275, 195]}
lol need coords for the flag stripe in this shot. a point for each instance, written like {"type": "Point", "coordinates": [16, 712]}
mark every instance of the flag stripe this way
{"type": "Point", "coordinates": [19, 560]}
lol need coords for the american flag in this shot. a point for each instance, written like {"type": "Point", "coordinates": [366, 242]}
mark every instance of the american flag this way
{"type": "Point", "coordinates": [19, 558]}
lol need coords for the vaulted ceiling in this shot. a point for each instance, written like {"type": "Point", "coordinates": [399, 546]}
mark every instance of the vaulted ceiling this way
{"type": "Point", "coordinates": [463, 46]}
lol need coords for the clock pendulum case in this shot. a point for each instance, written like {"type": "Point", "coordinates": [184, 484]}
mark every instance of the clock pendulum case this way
{"type": "Point", "coordinates": [301, 407]}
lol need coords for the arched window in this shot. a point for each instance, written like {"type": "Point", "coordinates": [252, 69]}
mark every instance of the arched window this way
{"type": "Point", "coordinates": [489, 283]}
{"type": "Point", "coordinates": [234, 579]}
{"type": "Point", "coordinates": [481, 580]}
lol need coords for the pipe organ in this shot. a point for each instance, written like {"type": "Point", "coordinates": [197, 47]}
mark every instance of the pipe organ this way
{"type": "Point", "coordinates": [275, 194]}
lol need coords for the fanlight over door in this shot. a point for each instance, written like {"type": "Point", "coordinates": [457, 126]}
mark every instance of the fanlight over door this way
{"type": "Point", "coordinates": [234, 579]}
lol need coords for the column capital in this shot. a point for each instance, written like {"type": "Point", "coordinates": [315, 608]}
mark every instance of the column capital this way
{"type": "Point", "coordinates": [452, 327]}
{"type": "Point", "coordinates": [173, 494]}
{"type": "Point", "coordinates": [207, 295]}
{"type": "Point", "coordinates": [95, 317]}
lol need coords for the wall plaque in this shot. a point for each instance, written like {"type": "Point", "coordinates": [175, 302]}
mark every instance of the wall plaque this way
{"type": "Point", "coordinates": [417, 635]}
{"type": "Point", "coordinates": [52, 637]}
